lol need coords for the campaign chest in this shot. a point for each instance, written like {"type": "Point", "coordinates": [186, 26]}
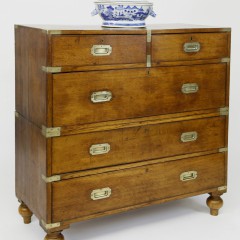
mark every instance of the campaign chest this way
{"type": "Point", "coordinates": [109, 120]}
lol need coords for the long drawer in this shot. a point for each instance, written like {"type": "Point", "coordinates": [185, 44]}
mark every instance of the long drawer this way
{"type": "Point", "coordinates": [90, 50]}
{"type": "Point", "coordinates": [176, 47]}
{"type": "Point", "coordinates": [109, 148]}
{"type": "Point", "coordinates": [97, 96]}
{"type": "Point", "coordinates": [115, 190]}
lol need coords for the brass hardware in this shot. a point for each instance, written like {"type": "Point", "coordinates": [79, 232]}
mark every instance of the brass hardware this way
{"type": "Point", "coordinates": [189, 137]}
{"type": "Point", "coordinates": [50, 225]}
{"type": "Point", "coordinates": [188, 88]}
{"type": "Point", "coordinates": [103, 96]}
{"type": "Point", "coordinates": [101, 193]}
{"type": "Point", "coordinates": [54, 32]}
{"type": "Point", "coordinates": [54, 178]}
{"type": "Point", "coordinates": [99, 149]}
{"type": "Point", "coordinates": [17, 114]}
{"type": "Point", "coordinates": [192, 47]}
{"type": "Point", "coordinates": [149, 35]}
{"type": "Point", "coordinates": [188, 176]}
{"type": "Point", "coordinates": [149, 61]}
{"type": "Point", "coordinates": [101, 50]}
{"type": "Point", "coordinates": [222, 150]}
{"type": "Point", "coordinates": [224, 111]}
{"type": "Point", "coordinates": [51, 69]}
{"type": "Point", "coordinates": [51, 132]}
{"type": "Point", "coordinates": [226, 30]}
{"type": "Point", "coordinates": [223, 188]}
{"type": "Point", "coordinates": [16, 26]}
{"type": "Point", "coordinates": [225, 60]}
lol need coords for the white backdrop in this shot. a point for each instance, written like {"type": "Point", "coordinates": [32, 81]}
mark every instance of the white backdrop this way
{"type": "Point", "coordinates": [181, 219]}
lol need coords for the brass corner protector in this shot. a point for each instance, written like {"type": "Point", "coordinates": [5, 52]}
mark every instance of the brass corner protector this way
{"type": "Point", "coordinates": [227, 29]}
{"type": "Point", "coordinates": [51, 69]}
{"type": "Point", "coordinates": [225, 60]}
{"type": "Point", "coordinates": [54, 178]}
{"type": "Point", "coordinates": [17, 114]}
{"type": "Point", "coordinates": [149, 61]}
{"type": "Point", "coordinates": [51, 132]}
{"type": "Point", "coordinates": [16, 26]}
{"type": "Point", "coordinates": [222, 150]}
{"type": "Point", "coordinates": [224, 111]}
{"type": "Point", "coordinates": [149, 35]}
{"type": "Point", "coordinates": [50, 225]}
{"type": "Point", "coordinates": [222, 188]}
{"type": "Point", "coordinates": [53, 32]}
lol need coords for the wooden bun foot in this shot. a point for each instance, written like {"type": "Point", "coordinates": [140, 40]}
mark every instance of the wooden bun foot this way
{"type": "Point", "coordinates": [25, 213]}
{"type": "Point", "coordinates": [214, 203]}
{"type": "Point", "coordinates": [54, 236]}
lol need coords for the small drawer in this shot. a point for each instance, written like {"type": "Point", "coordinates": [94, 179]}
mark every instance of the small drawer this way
{"type": "Point", "coordinates": [88, 50]}
{"type": "Point", "coordinates": [101, 149]}
{"type": "Point", "coordinates": [86, 196]}
{"type": "Point", "coordinates": [196, 46]}
{"type": "Point", "coordinates": [89, 97]}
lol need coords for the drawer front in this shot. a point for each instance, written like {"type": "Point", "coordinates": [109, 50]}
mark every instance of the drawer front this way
{"type": "Point", "coordinates": [89, 97]}
{"type": "Point", "coordinates": [109, 148]}
{"type": "Point", "coordinates": [87, 50]}
{"type": "Point", "coordinates": [108, 191]}
{"type": "Point", "coordinates": [175, 47]}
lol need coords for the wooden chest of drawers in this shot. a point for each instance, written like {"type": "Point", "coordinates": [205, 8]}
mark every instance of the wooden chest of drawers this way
{"type": "Point", "coordinates": [109, 120]}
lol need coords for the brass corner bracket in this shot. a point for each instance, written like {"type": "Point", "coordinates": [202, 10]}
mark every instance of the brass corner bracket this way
{"type": "Point", "coordinates": [54, 178]}
{"type": "Point", "coordinates": [17, 115]}
{"type": "Point", "coordinates": [149, 35]}
{"type": "Point", "coordinates": [50, 225]}
{"type": "Point", "coordinates": [225, 60]}
{"type": "Point", "coordinates": [222, 150]}
{"type": "Point", "coordinates": [224, 111]}
{"type": "Point", "coordinates": [51, 132]}
{"type": "Point", "coordinates": [53, 32]}
{"type": "Point", "coordinates": [51, 69]}
{"type": "Point", "coordinates": [222, 188]}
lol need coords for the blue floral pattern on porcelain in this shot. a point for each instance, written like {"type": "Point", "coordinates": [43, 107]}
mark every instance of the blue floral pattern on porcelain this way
{"type": "Point", "coordinates": [116, 15]}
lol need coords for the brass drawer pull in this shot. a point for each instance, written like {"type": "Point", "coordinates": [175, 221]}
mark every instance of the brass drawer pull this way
{"type": "Point", "coordinates": [103, 96]}
{"type": "Point", "coordinates": [190, 88]}
{"type": "Point", "coordinates": [189, 137]}
{"type": "Point", "coordinates": [101, 50]}
{"type": "Point", "coordinates": [192, 47]}
{"type": "Point", "coordinates": [188, 176]}
{"type": "Point", "coordinates": [101, 193]}
{"type": "Point", "coordinates": [99, 149]}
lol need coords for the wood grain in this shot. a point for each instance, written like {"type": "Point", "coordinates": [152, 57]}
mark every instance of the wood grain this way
{"type": "Point", "coordinates": [71, 153]}
{"type": "Point", "coordinates": [31, 81]}
{"type": "Point", "coordinates": [31, 163]}
{"type": "Point", "coordinates": [137, 122]}
{"type": "Point", "coordinates": [71, 198]}
{"type": "Point", "coordinates": [98, 30]}
{"type": "Point", "coordinates": [76, 50]}
{"type": "Point", "coordinates": [170, 47]}
{"type": "Point", "coordinates": [136, 93]}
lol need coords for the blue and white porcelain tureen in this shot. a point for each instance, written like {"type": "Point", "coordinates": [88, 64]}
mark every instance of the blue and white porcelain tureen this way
{"type": "Point", "coordinates": [124, 13]}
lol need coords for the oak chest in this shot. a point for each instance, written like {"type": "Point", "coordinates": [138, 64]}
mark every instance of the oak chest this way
{"type": "Point", "coordinates": [109, 120]}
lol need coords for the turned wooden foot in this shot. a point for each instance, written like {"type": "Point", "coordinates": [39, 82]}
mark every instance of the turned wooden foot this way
{"type": "Point", "coordinates": [54, 236]}
{"type": "Point", "coordinates": [214, 202]}
{"type": "Point", "coordinates": [25, 213]}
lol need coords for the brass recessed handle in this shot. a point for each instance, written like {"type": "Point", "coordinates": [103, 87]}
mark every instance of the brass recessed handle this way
{"type": "Point", "coordinates": [99, 149]}
{"type": "Point", "coordinates": [188, 88]}
{"type": "Point", "coordinates": [189, 137]}
{"type": "Point", "coordinates": [188, 176]}
{"type": "Point", "coordinates": [192, 47]}
{"type": "Point", "coordinates": [101, 50]}
{"type": "Point", "coordinates": [98, 194]}
{"type": "Point", "coordinates": [102, 96]}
